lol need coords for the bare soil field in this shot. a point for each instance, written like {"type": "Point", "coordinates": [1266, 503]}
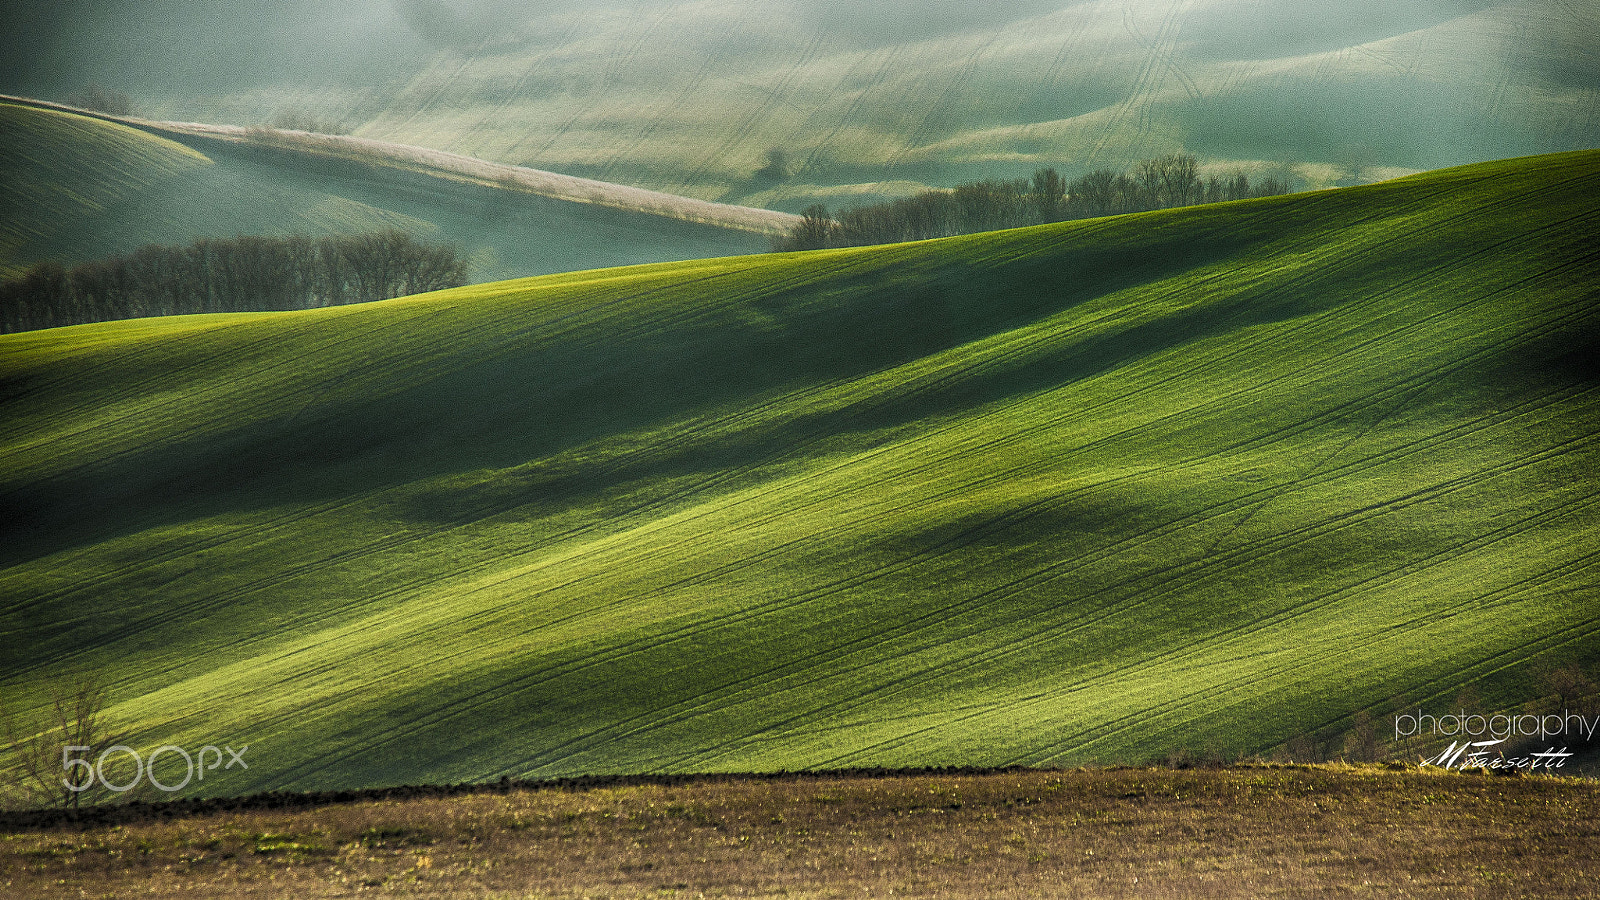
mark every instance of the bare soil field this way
{"type": "Point", "coordinates": [1257, 831]}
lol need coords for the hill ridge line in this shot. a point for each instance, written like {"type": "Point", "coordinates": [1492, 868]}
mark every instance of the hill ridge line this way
{"type": "Point", "coordinates": [454, 166]}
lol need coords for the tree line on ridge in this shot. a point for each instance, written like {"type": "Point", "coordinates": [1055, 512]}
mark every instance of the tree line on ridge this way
{"type": "Point", "coordinates": [988, 205]}
{"type": "Point", "coordinates": [241, 274]}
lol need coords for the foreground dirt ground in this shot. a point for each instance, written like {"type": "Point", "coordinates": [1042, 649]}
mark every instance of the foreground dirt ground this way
{"type": "Point", "coordinates": [1263, 831]}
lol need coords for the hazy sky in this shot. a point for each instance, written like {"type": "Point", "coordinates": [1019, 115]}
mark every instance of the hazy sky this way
{"type": "Point", "coordinates": [196, 45]}
{"type": "Point", "coordinates": [160, 50]}
{"type": "Point", "coordinates": [166, 53]}
{"type": "Point", "coordinates": [154, 48]}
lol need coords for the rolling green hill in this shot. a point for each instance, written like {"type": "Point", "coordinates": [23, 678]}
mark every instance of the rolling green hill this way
{"type": "Point", "coordinates": [88, 188]}
{"type": "Point", "coordinates": [1203, 478]}
{"type": "Point", "coordinates": [61, 169]}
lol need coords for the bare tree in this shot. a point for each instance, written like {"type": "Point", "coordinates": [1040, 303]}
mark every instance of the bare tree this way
{"type": "Point", "coordinates": [1180, 184]}
{"type": "Point", "coordinates": [59, 764]}
{"type": "Point", "coordinates": [1095, 193]}
{"type": "Point", "coordinates": [1571, 687]}
{"type": "Point", "coordinates": [1049, 192]}
{"type": "Point", "coordinates": [298, 120]}
{"type": "Point", "coordinates": [101, 99]}
{"type": "Point", "coordinates": [776, 168]}
{"type": "Point", "coordinates": [1361, 744]}
{"type": "Point", "coordinates": [814, 230]}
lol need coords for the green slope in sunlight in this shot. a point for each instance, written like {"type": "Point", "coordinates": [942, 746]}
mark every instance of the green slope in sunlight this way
{"type": "Point", "coordinates": [1202, 478]}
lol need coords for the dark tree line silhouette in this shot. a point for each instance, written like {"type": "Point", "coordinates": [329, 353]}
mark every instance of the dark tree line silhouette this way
{"type": "Point", "coordinates": [296, 120]}
{"type": "Point", "coordinates": [242, 274]}
{"type": "Point", "coordinates": [103, 99]}
{"type": "Point", "coordinates": [1161, 183]}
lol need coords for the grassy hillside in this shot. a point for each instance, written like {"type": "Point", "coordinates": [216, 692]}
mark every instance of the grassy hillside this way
{"type": "Point", "coordinates": [89, 188]}
{"type": "Point", "coordinates": [61, 169]}
{"type": "Point", "coordinates": [1202, 478]}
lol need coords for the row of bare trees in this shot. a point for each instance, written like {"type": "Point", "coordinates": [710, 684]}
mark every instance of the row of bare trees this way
{"type": "Point", "coordinates": [1162, 183]}
{"type": "Point", "coordinates": [298, 120]}
{"type": "Point", "coordinates": [242, 274]}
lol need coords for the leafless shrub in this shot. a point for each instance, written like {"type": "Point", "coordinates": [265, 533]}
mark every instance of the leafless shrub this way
{"type": "Point", "coordinates": [102, 99]}
{"type": "Point", "coordinates": [1361, 744]}
{"type": "Point", "coordinates": [1573, 688]}
{"type": "Point", "coordinates": [297, 120]}
{"type": "Point", "coordinates": [1306, 748]}
{"type": "Point", "coordinates": [56, 764]}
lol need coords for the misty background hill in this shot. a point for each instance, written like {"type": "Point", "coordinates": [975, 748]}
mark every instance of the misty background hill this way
{"type": "Point", "coordinates": [81, 189]}
{"type": "Point", "coordinates": [784, 104]}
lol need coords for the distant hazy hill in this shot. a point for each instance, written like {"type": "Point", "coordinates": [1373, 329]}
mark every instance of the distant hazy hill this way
{"type": "Point", "coordinates": [881, 98]}
{"type": "Point", "coordinates": [86, 188]}
{"type": "Point", "coordinates": [1204, 478]}
{"type": "Point", "coordinates": [862, 100]}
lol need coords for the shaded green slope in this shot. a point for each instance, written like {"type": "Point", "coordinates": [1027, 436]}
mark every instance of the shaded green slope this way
{"type": "Point", "coordinates": [1200, 478]}
{"type": "Point", "coordinates": [61, 168]}
{"type": "Point", "coordinates": [91, 188]}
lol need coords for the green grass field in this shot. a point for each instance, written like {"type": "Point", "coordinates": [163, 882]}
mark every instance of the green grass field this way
{"type": "Point", "coordinates": [1198, 479]}
{"type": "Point", "coordinates": [88, 188]}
